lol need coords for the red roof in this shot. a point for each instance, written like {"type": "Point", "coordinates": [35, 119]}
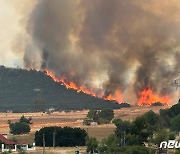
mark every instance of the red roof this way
{"type": "Point", "coordinates": [6, 141]}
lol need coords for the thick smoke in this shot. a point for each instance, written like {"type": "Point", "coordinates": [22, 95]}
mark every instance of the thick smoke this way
{"type": "Point", "coordinates": [107, 45]}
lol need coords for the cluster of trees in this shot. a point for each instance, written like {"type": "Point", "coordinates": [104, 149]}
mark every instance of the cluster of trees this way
{"type": "Point", "coordinates": [149, 129]}
{"type": "Point", "coordinates": [101, 117]}
{"type": "Point", "coordinates": [58, 136]}
{"type": "Point", "coordinates": [26, 97]}
{"type": "Point", "coordinates": [110, 145]}
{"type": "Point", "coordinates": [171, 117]}
{"type": "Point", "coordinates": [20, 127]}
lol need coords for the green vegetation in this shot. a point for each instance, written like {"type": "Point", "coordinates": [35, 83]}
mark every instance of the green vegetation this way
{"type": "Point", "coordinates": [65, 136]}
{"type": "Point", "coordinates": [105, 116]}
{"type": "Point", "coordinates": [25, 120]}
{"type": "Point", "coordinates": [92, 145]}
{"type": "Point", "coordinates": [32, 91]}
{"type": "Point", "coordinates": [87, 121]}
{"type": "Point", "coordinates": [175, 123]}
{"type": "Point", "coordinates": [101, 117]}
{"type": "Point", "coordinates": [149, 129]}
{"type": "Point", "coordinates": [20, 127]}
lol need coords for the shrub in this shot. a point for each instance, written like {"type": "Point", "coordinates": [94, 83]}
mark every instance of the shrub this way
{"type": "Point", "coordinates": [87, 121]}
{"type": "Point", "coordinates": [19, 128]}
{"type": "Point", "coordinates": [92, 145]}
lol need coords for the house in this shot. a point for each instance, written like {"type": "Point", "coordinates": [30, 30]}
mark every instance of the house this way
{"type": "Point", "coordinates": [7, 145]}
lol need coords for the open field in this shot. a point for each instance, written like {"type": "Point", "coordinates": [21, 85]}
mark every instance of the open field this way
{"type": "Point", "coordinates": [73, 119]}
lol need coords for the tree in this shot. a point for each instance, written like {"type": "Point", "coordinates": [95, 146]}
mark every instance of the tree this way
{"type": "Point", "coordinates": [111, 142]}
{"type": "Point", "coordinates": [133, 139]}
{"type": "Point", "coordinates": [173, 111]}
{"type": "Point", "coordinates": [117, 122]}
{"type": "Point", "coordinates": [65, 136]}
{"type": "Point", "coordinates": [93, 114]}
{"type": "Point", "coordinates": [162, 135]}
{"type": "Point", "coordinates": [140, 127]}
{"type": "Point", "coordinates": [122, 129]}
{"type": "Point", "coordinates": [132, 133]}
{"type": "Point", "coordinates": [172, 136]}
{"type": "Point", "coordinates": [152, 118]}
{"type": "Point", "coordinates": [175, 123]}
{"type": "Point", "coordinates": [19, 128]}
{"type": "Point", "coordinates": [101, 117]}
{"type": "Point", "coordinates": [165, 119]}
{"type": "Point", "coordinates": [92, 145]}
{"type": "Point", "coordinates": [107, 114]}
{"type": "Point", "coordinates": [26, 120]}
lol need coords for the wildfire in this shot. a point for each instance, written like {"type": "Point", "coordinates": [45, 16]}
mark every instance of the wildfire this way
{"type": "Point", "coordinates": [117, 97]}
{"type": "Point", "coordinates": [109, 98]}
{"type": "Point", "coordinates": [147, 97]}
{"type": "Point", "coordinates": [72, 85]}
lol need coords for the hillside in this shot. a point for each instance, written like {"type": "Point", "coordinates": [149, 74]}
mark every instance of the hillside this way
{"type": "Point", "coordinates": [27, 91]}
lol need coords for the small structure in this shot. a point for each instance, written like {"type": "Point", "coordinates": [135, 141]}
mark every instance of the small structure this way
{"type": "Point", "coordinates": [27, 147]}
{"type": "Point", "coordinates": [51, 109]}
{"type": "Point", "coordinates": [7, 145]}
{"type": "Point", "coordinates": [94, 124]}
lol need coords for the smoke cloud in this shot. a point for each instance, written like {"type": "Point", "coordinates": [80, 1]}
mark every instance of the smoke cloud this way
{"type": "Point", "coordinates": [106, 46]}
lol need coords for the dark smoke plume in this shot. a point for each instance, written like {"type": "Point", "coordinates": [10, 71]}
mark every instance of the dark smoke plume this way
{"type": "Point", "coordinates": [107, 45]}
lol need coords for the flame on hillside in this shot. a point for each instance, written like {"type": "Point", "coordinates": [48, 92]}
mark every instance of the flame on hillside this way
{"type": "Point", "coordinates": [71, 85]}
{"type": "Point", "coordinates": [147, 98]}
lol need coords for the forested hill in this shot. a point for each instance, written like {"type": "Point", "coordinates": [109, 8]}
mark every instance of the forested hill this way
{"type": "Point", "coordinates": [27, 91]}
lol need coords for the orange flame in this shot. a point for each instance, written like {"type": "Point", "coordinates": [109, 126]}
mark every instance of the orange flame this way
{"type": "Point", "coordinates": [72, 85]}
{"type": "Point", "coordinates": [117, 97]}
{"type": "Point", "coordinates": [109, 98]}
{"type": "Point", "coordinates": [147, 97]}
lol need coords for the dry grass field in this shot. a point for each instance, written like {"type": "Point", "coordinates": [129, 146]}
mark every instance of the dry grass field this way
{"type": "Point", "coordinates": [72, 119]}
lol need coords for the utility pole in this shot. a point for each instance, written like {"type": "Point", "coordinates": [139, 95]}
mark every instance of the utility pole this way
{"type": "Point", "coordinates": [179, 88]}
{"type": "Point", "coordinates": [43, 144]}
{"type": "Point", "coordinates": [177, 83]}
{"type": "Point", "coordinates": [54, 138]}
{"type": "Point", "coordinates": [149, 145]}
{"type": "Point", "coordinates": [124, 139]}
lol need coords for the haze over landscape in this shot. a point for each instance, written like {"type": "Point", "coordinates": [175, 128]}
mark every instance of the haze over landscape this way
{"type": "Point", "coordinates": [90, 76]}
{"type": "Point", "coordinates": [108, 49]}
